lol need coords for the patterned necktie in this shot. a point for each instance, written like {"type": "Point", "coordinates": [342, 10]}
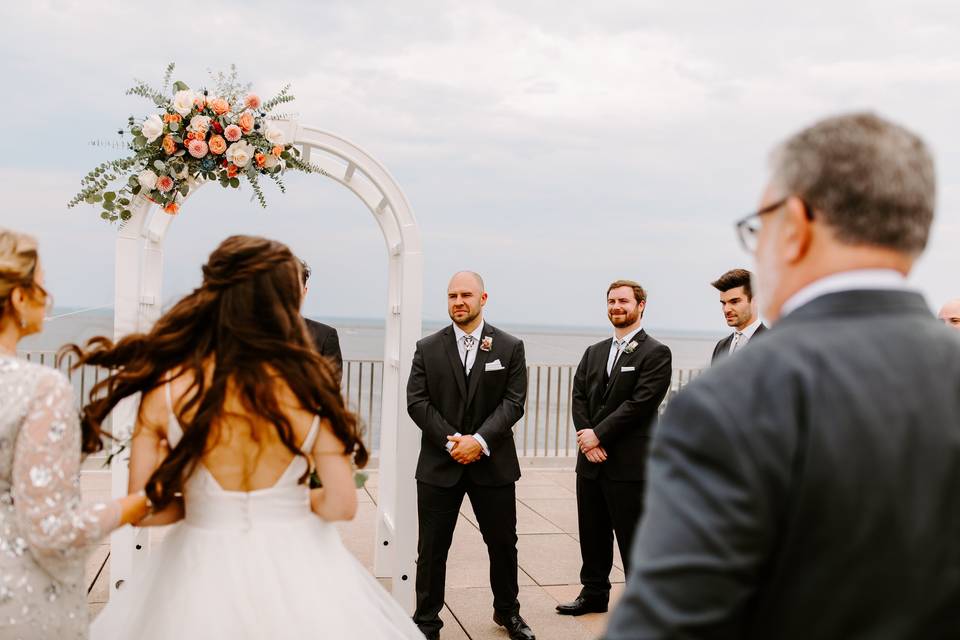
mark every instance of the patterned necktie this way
{"type": "Point", "coordinates": [737, 341]}
{"type": "Point", "coordinates": [620, 344]}
{"type": "Point", "coordinates": [469, 342]}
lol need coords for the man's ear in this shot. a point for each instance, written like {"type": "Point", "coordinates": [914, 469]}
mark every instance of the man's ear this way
{"type": "Point", "coordinates": [483, 298]}
{"type": "Point", "coordinates": [797, 231]}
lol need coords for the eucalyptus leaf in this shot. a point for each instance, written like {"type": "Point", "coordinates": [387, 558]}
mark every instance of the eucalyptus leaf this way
{"type": "Point", "coordinates": [174, 126]}
{"type": "Point", "coordinates": [124, 201]}
{"type": "Point", "coordinates": [136, 189]}
{"type": "Point", "coordinates": [126, 214]}
{"type": "Point", "coordinates": [184, 189]}
{"type": "Point", "coordinates": [108, 205]}
{"type": "Point", "coordinates": [159, 165]}
{"type": "Point", "coordinates": [109, 196]}
{"type": "Point", "coordinates": [104, 215]}
{"type": "Point", "coordinates": [180, 86]}
{"type": "Point", "coordinates": [235, 182]}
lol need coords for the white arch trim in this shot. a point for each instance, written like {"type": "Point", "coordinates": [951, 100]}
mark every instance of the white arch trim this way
{"type": "Point", "coordinates": [138, 280]}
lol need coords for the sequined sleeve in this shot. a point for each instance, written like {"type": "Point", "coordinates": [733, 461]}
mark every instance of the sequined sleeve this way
{"type": "Point", "coordinates": [46, 479]}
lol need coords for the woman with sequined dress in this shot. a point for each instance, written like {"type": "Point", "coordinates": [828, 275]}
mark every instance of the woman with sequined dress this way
{"type": "Point", "coordinates": [45, 530]}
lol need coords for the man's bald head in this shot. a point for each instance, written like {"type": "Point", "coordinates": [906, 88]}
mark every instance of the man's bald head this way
{"type": "Point", "coordinates": [950, 314]}
{"type": "Point", "coordinates": [462, 278]}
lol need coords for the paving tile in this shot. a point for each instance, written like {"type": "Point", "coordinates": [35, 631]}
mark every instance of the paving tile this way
{"type": "Point", "coordinates": [561, 513]}
{"type": "Point", "coordinates": [537, 478]}
{"type": "Point", "coordinates": [474, 610]}
{"type": "Point", "coordinates": [93, 608]}
{"type": "Point", "coordinates": [595, 623]}
{"type": "Point", "coordinates": [544, 492]}
{"type": "Point", "coordinates": [95, 561]}
{"type": "Point", "coordinates": [468, 564]}
{"type": "Point", "coordinates": [552, 559]}
{"type": "Point", "coordinates": [528, 521]}
{"type": "Point", "coordinates": [101, 589]}
{"type": "Point", "coordinates": [451, 626]}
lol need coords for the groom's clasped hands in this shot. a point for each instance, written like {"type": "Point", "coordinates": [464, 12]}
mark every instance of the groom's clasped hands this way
{"type": "Point", "coordinates": [465, 449]}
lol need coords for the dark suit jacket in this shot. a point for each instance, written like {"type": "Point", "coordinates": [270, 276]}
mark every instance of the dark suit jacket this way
{"type": "Point", "coordinates": [621, 411]}
{"type": "Point", "coordinates": [326, 341]}
{"type": "Point", "coordinates": [442, 402]}
{"type": "Point", "coordinates": [723, 347]}
{"type": "Point", "coordinates": [809, 487]}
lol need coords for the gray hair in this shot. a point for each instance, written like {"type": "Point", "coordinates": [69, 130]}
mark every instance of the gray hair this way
{"type": "Point", "coordinates": [871, 180]}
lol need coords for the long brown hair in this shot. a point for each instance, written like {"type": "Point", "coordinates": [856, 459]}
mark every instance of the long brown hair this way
{"type": "Point", "coordinates": [245, 318]}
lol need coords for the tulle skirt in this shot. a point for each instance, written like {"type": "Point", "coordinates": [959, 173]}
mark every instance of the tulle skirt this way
{"type": "Point", "coordinates": [279, 581]}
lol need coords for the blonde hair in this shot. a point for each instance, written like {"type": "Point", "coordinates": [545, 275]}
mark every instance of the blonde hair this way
{"type": "Point", "coordinates": [18, 262]}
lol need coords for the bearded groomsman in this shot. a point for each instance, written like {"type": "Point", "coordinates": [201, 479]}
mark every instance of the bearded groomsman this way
{"type": "Point", "coordinates": [739, 310]}
{"type": "Point", "coordinates": [466, 390]}
{"type": "Point", "coordinates": [617, 392]}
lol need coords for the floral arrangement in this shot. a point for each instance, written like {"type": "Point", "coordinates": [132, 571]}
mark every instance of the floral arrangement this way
{"type": "Point", "coordinates": [221, 134]}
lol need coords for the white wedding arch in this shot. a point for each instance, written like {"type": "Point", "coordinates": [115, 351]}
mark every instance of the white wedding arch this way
{"type": "Point", "coordinates": [138, 280]}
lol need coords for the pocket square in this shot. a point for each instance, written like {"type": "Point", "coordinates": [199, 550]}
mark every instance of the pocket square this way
{"type": "Point", "coordinates": [493, 366]}
{"type": "Point", "coordinates": [623, 369]}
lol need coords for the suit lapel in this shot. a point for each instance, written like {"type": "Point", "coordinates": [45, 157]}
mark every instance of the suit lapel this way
{"type": "Point", "coordinates": [478, 364]}
{"type": "Point", "coordinates": [453, 355]}
{"type": "Point", "coordinates": [624, 357]}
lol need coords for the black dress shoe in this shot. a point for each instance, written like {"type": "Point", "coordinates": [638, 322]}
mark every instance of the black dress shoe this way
{"type": "Point", "coordinates": [430, 635]}
{"type": "Point", "coordinates": [515, 625]}
{"type": "Point", "coordinates": [581, 606]}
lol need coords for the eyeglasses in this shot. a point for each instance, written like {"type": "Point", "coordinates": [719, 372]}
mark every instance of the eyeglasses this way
{"type": "Point", "coordinates": [748, 227]}
{"type": "Point", "coordinates": [47, 297]}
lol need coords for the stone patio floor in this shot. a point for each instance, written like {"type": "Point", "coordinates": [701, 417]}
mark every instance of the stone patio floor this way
{"type": "Point", "coordinates": [549, 558]}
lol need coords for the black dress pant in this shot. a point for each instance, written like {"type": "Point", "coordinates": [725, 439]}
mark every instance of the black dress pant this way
{"type": "Point", "coordinates": [604, 507]}
{"type": "Point", "coordinates": [438, 509]}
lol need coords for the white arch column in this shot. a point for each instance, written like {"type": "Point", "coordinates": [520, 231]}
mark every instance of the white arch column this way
{"type": "Point", "coordinates": [139, 268]}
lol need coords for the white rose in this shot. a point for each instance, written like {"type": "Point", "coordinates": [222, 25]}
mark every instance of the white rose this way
{"type": "Point", "coordinates": [183, 102]}
{"type": "Point", "coordinates": [275, 135]}
{"type": "Point", "coordinates": [200, 123]}
{"type": "Point", "coordinates": [152, 128]}
{"type": "Point", "coordinates": [147, 179]}
{"type": "Point", "coordinates": [239, 153]}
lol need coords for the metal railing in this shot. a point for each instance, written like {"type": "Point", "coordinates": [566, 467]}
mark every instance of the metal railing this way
{"type": "Point", "coordinates": [546, 429]}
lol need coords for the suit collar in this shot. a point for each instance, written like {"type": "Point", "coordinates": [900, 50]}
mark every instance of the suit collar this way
{"type": "Point", "coordinates": [863, 303]}
{"type": "Point", "coordinates": [453, 356]}
{"type": "Point", "coordinates": [852, 280]}
{"type": "Point", "coordinates": [479, 363]}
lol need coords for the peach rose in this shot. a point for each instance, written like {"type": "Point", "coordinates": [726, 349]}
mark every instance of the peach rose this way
{"type": "Point", "coordinates": [260, 159]}
{"type": "Point", "coordinates": [246, 121]}
{"type": "Point", "coordinates": [232, 171]}
{"type": "Point", "coordinates": [197, 148]}
{"type": "Point", "coordinates": [217, 145]}
{"type": "Point", "coordinates": [164, 183]}
{"type": "Point", "coordinates": [172, 208]}
{"type": "Point", "coordinates": [252, 101]}
{"type": "Point", "coordinates": [169, 146]}
{"type": "Point", "coordinates": [232, 133]}
{"type": "Point", "coordinates": [172, 117]}
{"type": "Point", "coordinates": [277, 150]}
{"type": "Point", "coordinates": [219, 106]}
{"type": "Point", "coordinates": [200, 102]}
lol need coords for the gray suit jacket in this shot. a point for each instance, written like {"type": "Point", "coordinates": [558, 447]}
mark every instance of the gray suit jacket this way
{"type": "Point", "coordinates": [809, 487]}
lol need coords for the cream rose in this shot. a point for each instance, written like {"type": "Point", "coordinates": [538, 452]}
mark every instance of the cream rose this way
{"type": "Point", "coordinates": [274, 135]}
{"type": "Point", "coordinates": [271, 161]}
{"type": "Point", "coordinates": [147, 180]}
{"type": "Point", "coordinates": [152, 127]}
{"type": "Point", "coordinates": [239, 153]}
{"type": "Point", "coordinates": [200, 124]}
{"type": "Point", "coordinates": [183, 102]}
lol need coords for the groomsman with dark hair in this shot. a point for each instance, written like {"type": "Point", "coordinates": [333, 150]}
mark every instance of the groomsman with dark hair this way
{"type": "Point", "coordinates": [325, 337]}
{"type": "Point", "coordinates": [739, 310]}
{"type": "Point", "coordinates": [617, 391]}
{"type": "Point", "coordinates": [466, 390]}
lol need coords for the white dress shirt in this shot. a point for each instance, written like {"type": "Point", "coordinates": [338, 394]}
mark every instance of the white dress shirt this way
{"type": "Point", "coordinates": [617, 346]}
{"type": "Point", "coordinates": [856, 279]}
{"type": "Point", "coordinates": [741, 338]}
{"type": "Point", "coordinates": [469, 357]}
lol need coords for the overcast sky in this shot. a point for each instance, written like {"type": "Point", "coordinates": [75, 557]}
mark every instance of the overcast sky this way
{"type": "Point", "coordinates": [551, 146]}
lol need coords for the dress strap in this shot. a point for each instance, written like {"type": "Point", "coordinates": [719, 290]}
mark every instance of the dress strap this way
{"type": "Point", "coordinates": [311, 435]}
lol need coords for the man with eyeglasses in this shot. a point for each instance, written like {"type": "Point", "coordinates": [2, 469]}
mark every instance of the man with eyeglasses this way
{"type": "Point", "coordinates": [808, 488]}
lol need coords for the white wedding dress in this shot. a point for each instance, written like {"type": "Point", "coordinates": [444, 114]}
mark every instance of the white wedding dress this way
{"type": "Point", "coordinates": [257, 565]}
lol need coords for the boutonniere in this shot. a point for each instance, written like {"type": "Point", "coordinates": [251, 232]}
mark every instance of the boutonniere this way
{"type": "Point", "coordinates": [486, 344]}
{"type": "Point", "coordinates": [630, 348]}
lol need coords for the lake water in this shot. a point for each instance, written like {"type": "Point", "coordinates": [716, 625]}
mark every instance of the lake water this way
{"type": "Point", "coordinates": [362, 339]}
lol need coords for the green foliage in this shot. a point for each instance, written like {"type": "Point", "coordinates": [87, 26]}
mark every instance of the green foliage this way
{"type": "Point", "coordinates": [166, 77]}
{"type": "Point", "coordinates": [280, 98]}
{"type": "Point", "coordinates": [255, 183]}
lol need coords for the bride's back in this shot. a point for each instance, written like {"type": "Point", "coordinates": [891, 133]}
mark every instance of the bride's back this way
{"type": "Point", "coordinates": [244, 452]}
